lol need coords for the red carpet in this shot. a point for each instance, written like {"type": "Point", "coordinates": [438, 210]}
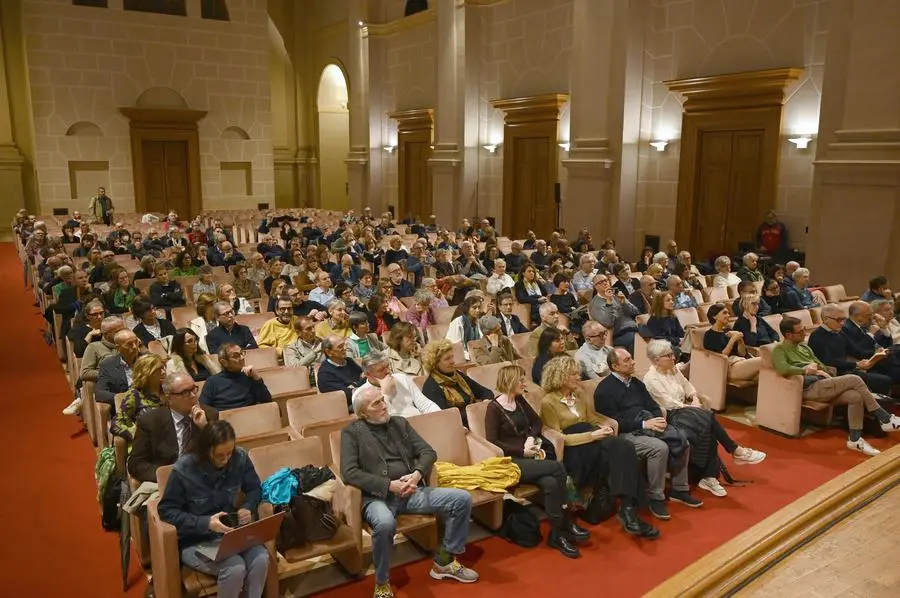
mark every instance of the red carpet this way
{"type": "Point", "coordinates": [54, 545]}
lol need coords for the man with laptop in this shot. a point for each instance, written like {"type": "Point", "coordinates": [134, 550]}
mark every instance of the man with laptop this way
{"type": "Point", "coordinates": [216, 534]}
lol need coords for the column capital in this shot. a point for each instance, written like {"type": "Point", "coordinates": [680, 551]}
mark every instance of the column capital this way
{"type": "Point", "coordinates": [10, 156]}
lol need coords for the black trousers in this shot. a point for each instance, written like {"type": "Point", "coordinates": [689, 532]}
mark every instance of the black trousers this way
{"type": "Point", "coordinates": [721, 435]}
{"type": "Point", "coordinates": [550, 477]}
{"type": "Point", "coordinates": [624, 474]}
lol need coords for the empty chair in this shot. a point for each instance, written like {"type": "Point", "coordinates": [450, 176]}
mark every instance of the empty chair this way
{"type": "Point", "coordinates": [835, 293]}
{"type": "Point", "coordinates": [261, 358]}
{"type": "Point", "coordinates": [257, 425]}
{"type": "Point", "coordinates": [318, 415]}
{"type": "Point", "coordinates": [286, 383]}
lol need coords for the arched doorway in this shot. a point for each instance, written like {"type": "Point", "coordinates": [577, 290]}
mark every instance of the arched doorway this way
{"type": "Point", "coordinates": [334, 138]}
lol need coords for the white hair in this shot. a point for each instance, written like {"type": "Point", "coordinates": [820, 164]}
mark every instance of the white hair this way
{"type": "Point", "coordinates": [657, 348]}
{"type": "Point", "coordinates": [546, 309]}
{"type": "Point", "coordinates": [748, 257]}
{"type": "Point", "coordinates": [800, 272]}
{"type": "Point", "coordinates": [722, 260]}
{"type": "Point", "coordinates": [659, 257]}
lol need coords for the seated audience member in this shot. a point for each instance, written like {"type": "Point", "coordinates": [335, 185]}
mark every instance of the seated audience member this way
{"type": "Point", "coordinates": [381, 320]}
{"type": "Point", "coordinates": [302, 307]}
{"type": "Point", "coordinates": [144, 393]}
{"type": "Point", "coordinates": [511, 424]}
{"type": "Point", "coordinates": [403, 397]}
{"type": "Point", "coordinates": [276, 267]}
{"type": "Point", "coordinates": [464, 328]}
{"type": "Point", "coordinates": [421, 314]}
{"type": "Point", "coordinates": [204, 485]}
{"type": "Point", "coordinates": [166, 293]}
{"type": "Point", "coordinates": [186, 355]}
{"type": "Point", "coordinates": [446, 386]}
{"type": "Point", "coordinates": [757, 332]}
{"type": "Point", "coordinates": [279, 332]}
{"type": "Point", "coordinates": [749, 271]}
{"type": "Point", "coordinates": [886, 320]}
{"type": "Point", "coordinates": [237, 385]}
{"type": "Point", "coordinates": [624, 398]}
{"type": "Point", "coordinates": [592, 355]}
{"type": "Point", "coordinates": [228, 256]}
{"type": "Point", "coordinates": [494, 346]}
{"type": "Point", "coordinates": [106, 269]}
{"type": "Point", "coordinates": [183, 265]}
{"type": "Point", "coordinates": [396, 253]}
{"type": "Point", "coordinates": [582, 281]}
{"type": "Point", "coordinates": [730, 343]}
{"type": "Point", "coordinates": [337, 322]}
{"type": "Point", "coordinates": [431, 286]}
{"type": "Point", "coordinates": [530, 290]}
{"type": "Point", "coordinates": [744, 289]}
{"type": "Point", "coordinates": [879, 288]}
{"type": "Point", "coordinates": [361, 341]}
{"type": "Point", "coordinates": [606, 264]}
{"type": "Point", "coordinates": [239, 304]}
{"type": "Point", "coordinates": [834, 348]}
{"type": "Point", "coordinates": [549, 319]}
{"type": "Point", "coordinates": [516, 258]}
{"type": "Point", "coordinates": [624, 283]}
{"type": "Point", "coordinates": [71, 298]}
{"type": "Point", "coordinates": [509, 322]}
{"type": "Point", "coordinates": [121, 293]}
{"type": "Point", "coordinates": [867, 342]}
{"type": "Point", "coordinates": [366, 287]}
{"type": "Point", "coordinates": [205, 284]}
{"type": "Point", "coordinates": [345, 272]}
{"type": "Point", "coordinates": [793, 357]}
{"type": "Point", "coordinates": [243, 286]}
{"type": "Point", "coordinates": [306, 351]}
{"type": "Point", "coordinates": [724, 276]}
{"type": "Point", "coordinates": [404, 350]}
{"type": "Point", "coordinates": [551, 344]}
{"type": "Point", "coordinates": [642, 298]}
{"type": "Point", "coordinates": [323, 293]}
{"type": "Point", "coordinates": [400, 287]}
{"type": "Point", "coordinates": [167, 432]}
{"type": "Point", "coordinates": [228, 330]}
{"type": "Point", "coordinates": [392, 475]}
{"type": "Point", "coordinates": [663, 324]}
{"type": "Point", "coordinates": [338, 372]}
{"type": "Point", "coordinates": [116, 368]}
{"type": "Point", "coordinates": [798, 295]}
{"type": "Point", "coordinates": [614, 312]}
{"type": "Point", "coordinates": [691, 271]}
{"type": "Point", "coordinates": [86, 327]}
{"type": "Point", "coordinates": [99, 349]}
{"type": "Point", "coordinates": [343, 292]}
{"type": "Point", "coordinates": [594, 454]}
{"type": "Point", "coordinates": [683, 299]}
{"type": "Point", "coordinates": [672, 391]}
{"type": "Point", "coordinates": [772, 296]}
{"type": "Point", "coordinates": [205, 321]}
{"type": "Point", "coordinates": [657, 272]}
{"type": "Point", "coordinates": [661, 258]}
{"type": "Point", "coordinates": [499, 279]}
{"type": "Point", "coordinates": [150, 327]}
{"type": "Point", "coordinates": [563, 298]}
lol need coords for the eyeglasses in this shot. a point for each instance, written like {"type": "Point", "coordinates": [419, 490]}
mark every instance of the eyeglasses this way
{"type": "Point", "coordinates": [191, 390]}
{"type": "Point", "coordinates": [838, 319]}
{"type": "Point", "coordinates": [236, 355]}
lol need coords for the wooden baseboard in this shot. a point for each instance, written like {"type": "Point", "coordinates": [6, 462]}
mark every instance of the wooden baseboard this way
{"type": "Point", "coordinates": [733, 565]}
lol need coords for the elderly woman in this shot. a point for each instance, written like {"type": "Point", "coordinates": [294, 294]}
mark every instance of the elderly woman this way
{"type": "Point", "coordinates": [750, 270]}
{"type": "Point", "coordinates": [464, 328]}
{"type": "Point", "coordinates": [798, 295]}
{"type": "Point", "coordinates": [145, 393]}
{"type": "Point", "coordinates": [730, 343]}
{"type": "Point", "coordinates": [337, 321]}
{"type": "Point", "coordinates": [683, 407]}
{"type": "Point", "coordinates": [240, 305]}
{"type": "Point", "coordinates": [256, 268]}
{"type": "Point", "coordinates": [243, 286]}
{"type": "Point", "coordinates": [724, 276]}
{"type": "Point", "coordinates": [148, 268]}
{"type": "Point", "coordinates": [446, 386]}
{"type": "Point", "coordinates": [421, 314]}
{"type": "Point", "coordinates": [294, 267]}
{"type": "Point", "coordinates": [404, 350]}
{"type": "Point", "coordinates": [551, 343]}
{"type": "Point", "coordinates": [274, 269]}
{"type": "Point", "coordinates": [511, 424]}
{"type": "Point", "coordinates": [205, 321]}
{"type": "Point", "coordinates": [391, 302]}
{"type": "Point", "coordinates": [396, 253]}
{"type": "Point", "coordinates": [656, 272]}
{"type": "Point", "coordinates": [594, 455]}
{"type": "Point", "coordinates": [494, 347]}
{"type": "Point", "coordinates": [366, 287]}
{"type": "Point", "coordinates": [360, 342]}
{"type": "Point", "coordinates": [663, 324]}
{"type": "Point", "coordinates": [757, 332]}
{"type": "Point", "coordinates": [205, 283]}
{"type": "Point", "coordinates": [186, 355]}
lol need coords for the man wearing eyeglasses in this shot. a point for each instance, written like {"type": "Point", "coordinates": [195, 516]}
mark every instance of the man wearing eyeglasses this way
{"type": "Point", "coordinates": [592, 356]}
{"type": "Point", "coordinates": [237, 385]}
{"type": "Point", "coordinates": [164, 434]}
{"type": "Point", "coordinates": [614, 312]}
{"type": "Point", "coordinates": [228, 331]}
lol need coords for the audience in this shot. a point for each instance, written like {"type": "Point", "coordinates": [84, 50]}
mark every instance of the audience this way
{"type": "Point", "coordinates": [551, 344]}
{"type": "Point", "coordinates": [749, 272]}
{"type": "Point", "coordinates": [494, 346]}
{"type": "Point", "coordinates": [663, 324]}
{"type": "Point", "coordinates": [279, 332]}
{"type": "Point", "coordinates": [228, 330]}
{"type": "Point", "coordinates": [206, 320]}
{"type": "Point", "coordinates": [446, 386]}
{"type": "Point", "coordinates": [150, 327]}
{"type": "Point", "coordinates": [798, 295]}
{"type": "Point", "coordinates": [338, 372]}
{"type": "Point", "coordinates": [306, 351]}
{"type": "Point", "coordinates": [116, 369]}
{"type": "Point", "coordinates": [403, 397]}
{"type": "Point", "coordinates": [724, 277]}
{"type": "Point", "coordinates": [144, 393]}
{"type": "Point", "coordinates": [730, 343]}
{"type": "Point", "coordinates": [530, 290]}
{"type": "Point", "coordinates": [614, 312]}
{"type": "Point", "coordinates": [361, 341]}
{"type": "Point", "coordinates": [237, 385]}
{"type": "Point", "coordinates": [509, 322]}
{"type": "Point", "coordinates": [464, 328]}
{"type": "Point", "coordinates": [879, 288]}
{"type": "Point", "coordinates": [755, 329]}
{"type": "Point", "coordinates": [186, 355]}
{"type": "Point", "coordinates": [404, 350]}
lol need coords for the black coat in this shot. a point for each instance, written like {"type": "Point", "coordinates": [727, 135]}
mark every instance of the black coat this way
{"type": "Point", "coordinates": [166, 328]}
{"type": "Point", "coordinates": [629, 405]}
{"type": "Point", "coordinates": [346, 378]}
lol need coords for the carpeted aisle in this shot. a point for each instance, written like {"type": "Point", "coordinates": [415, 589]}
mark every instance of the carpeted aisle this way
{"type": "Point", "coordinates": [54, 545]}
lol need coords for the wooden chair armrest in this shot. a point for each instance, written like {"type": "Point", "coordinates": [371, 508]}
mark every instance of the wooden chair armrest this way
{"type": "Point", "coordinates": [347, 504]}
{"type": "Point", "coordinates": [480, 449]}
{"type": "Point", "coordinates": [556, 439]}
{"type": "Point", "coordinates": [121, 448]}
{"type": "Point", "coordinates": [166, 558]}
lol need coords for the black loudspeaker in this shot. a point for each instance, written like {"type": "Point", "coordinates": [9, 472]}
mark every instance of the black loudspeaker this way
{"type": "Point", "coordinates": [557, 193]}
{"type": "Point", "coordinates": [652, 241]}
{"type": "Point", "coordinates": [262, 206]}
{"type": "Point", "coordinates": [60, 211]}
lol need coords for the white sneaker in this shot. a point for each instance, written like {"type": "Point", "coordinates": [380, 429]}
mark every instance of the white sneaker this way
{"type": "Point", "coordinates": [863, 447]}
{"type": "Point", "coordinates": [747, 456]}
{"type": "Point", "coordinates": [712, 486]}
{"type": "Point", "coordinates": [74, 408]}
{"type": "Point", "coordinates": [893, 425]}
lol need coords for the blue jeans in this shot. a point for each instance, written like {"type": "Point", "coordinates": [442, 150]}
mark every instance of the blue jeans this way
{"type": "Point", "coordinates": [247, 568]}
{"type": "Point", "coordinates": [452, 505]}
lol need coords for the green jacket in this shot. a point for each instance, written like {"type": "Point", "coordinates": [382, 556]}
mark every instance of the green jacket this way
{"type": "Point", "coordinates": [790, 360]}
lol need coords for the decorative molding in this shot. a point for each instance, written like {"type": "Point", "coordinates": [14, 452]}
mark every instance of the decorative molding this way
{"type": "Point", "coordinates": [735, 564]}
{"type": "Point", "coordinates": [334, 29]}
{"type": "Point", "coordinates": [532, 109]}
{"type": "Point", "coordinates": [482, 3]}
{"type": "Point", "coordinates": [750, 89]}
{"type": "Point", "coordinates": [413, 120]}
{"type": "Point", "coordinates": [394, 27]}
{"type": "Point", "coordinates": [163, 118]}
{"type": "Point", "coordinates": [853, 144]}
{"type": "Point", "coordinates": [10, 156]}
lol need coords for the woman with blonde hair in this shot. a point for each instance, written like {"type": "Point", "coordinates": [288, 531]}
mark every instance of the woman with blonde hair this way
{"type": "Point", "coordinates": [511, 424]}
{"type": "Point", "coordinates": [145, 393]}
{"type": "Point", "coordinates": [595, 457]}
{"type": "Point", "coordinates": [404, 350]}
{"type": "Point", "coordinates": [205, 321]}
{"type": "Point", "coordinates": [446, 386]}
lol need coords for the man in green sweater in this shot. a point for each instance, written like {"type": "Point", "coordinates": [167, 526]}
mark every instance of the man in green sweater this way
{"type": "Point", "coordinates": [793, 357]}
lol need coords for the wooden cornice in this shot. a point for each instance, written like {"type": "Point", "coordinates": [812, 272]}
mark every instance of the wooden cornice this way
{"type": "Point", "coordinates": [413, 120]}
{"type": "Point", "coordinates": [393, 27]}
{"type": "Point", "coordinates": [532, 109]}
{"type": "Point", "coordinates": [741, 560]}
{"type": "Point", "coordinates": [735, 90]}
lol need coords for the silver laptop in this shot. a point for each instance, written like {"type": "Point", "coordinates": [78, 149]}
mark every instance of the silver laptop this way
{"type": "Point", "coordinates": [240, 539]}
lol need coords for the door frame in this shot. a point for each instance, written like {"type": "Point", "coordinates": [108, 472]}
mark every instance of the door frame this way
{"type": "Point", "coordinates": [737, 101]}
{"type": "Point", "coordinates": [165, 124]}
{"type": "Point", "coordinates": [412, 126]}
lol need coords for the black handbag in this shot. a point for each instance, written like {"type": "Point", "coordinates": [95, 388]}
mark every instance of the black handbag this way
{"type": "Point", "coordinates": [308, 520]}
{"type": "Point", "coordinates": [601, 507]}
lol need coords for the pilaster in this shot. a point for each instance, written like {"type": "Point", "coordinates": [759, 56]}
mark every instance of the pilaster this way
{"type": "Point", "coordinates": [11, 159]}
{"type": "Point", "coordinates": [358, 158]}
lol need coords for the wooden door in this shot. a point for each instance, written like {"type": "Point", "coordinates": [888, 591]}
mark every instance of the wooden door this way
{"type": "Point", "coordinates": [533, 206]}
{"type": "Point", "coordinates": [416, 196]}
{"type": "Point", "coordinates": [166, 185]}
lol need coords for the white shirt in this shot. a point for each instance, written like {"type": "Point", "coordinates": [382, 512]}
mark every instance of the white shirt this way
{"type": "Point", "coordinates": [670, 391]}
{"type": "Point", "coordinates": [495, 283]}
{"type": "Point", "coordinates": [129, 374]}
{"type": "Point", "coordinates": [153, 329]}
{"type": "Point", "coordinates": [321, 296]}
{"type": "Point", "coordinates": [407, 401]}
{"type": "Point", "coordinates": [726, 280]}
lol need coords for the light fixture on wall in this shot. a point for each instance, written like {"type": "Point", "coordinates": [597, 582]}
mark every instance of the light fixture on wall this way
{"type": "Point", "coordinates": [802, 141]}
{"type": "Point", "coordinates": [660, 145]}
{"type": "Point", "coordinates": [565, 145]}
{"type": "Point", "coordinates": [360, 24]}
{"type": "Point", "coordinates": [389, 148]}
{"type": "Point", "coordinates": [491, 147]}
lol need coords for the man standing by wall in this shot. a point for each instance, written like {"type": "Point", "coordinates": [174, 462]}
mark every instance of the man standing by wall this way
{"type": "Point", "coordinates": [101, 207]}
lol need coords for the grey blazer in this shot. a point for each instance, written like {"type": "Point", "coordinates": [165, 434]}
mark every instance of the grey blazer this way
{"type": "Point", "coordinates": [362, 461]}
{"type": "Point", "coordinates": [111, 379]}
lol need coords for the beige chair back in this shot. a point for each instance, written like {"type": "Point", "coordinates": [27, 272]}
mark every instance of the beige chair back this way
{"type": "Point", "coordinates": [286, 381]}
{"type": "Point", "coordinates": [252, 420]}
{"type": "Point", "coordinates": [520, 342]}
{"type": "Point", "coordinates": [444, 315]}
{"type": "Point", "coordinates": [486, 375]}
{"type": "Point", "coordinates": [476, 413]}
{"type": "Point", "coordinates": [294, 453]}
{"type": "Point", "coordinates": [254, 321]}
{"type": "Point", "coordinates": [262, 358]}
{"type": "Point", "coordinates": [444, 432]}
{"type": "Point", "coordinates": [304, 411]}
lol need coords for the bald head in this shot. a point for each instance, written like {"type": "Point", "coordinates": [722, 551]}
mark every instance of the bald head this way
{"type": "Point", "coordinates": [127, 344]}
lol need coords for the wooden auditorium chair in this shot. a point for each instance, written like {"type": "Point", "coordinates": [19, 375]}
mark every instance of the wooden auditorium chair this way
{"type": "Point", "coordinates": [779, 403]}
{"type": "Point", "coordinates": [318, 415]}
{"type": "Point", "coordinates": [258, 425]}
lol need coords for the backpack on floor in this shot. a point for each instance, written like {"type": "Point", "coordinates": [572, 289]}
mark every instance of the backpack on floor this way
{"type": "Point", "coordinates": [520, 525]}
{"type": "Point", "coordinates": [110, 516]}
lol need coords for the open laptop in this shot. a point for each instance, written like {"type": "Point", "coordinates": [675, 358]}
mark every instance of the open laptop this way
{"type": "Point", "coordinates": [244, 537]}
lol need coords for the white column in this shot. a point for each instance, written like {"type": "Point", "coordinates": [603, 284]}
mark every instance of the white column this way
{"type": "Point", "coordinates": [358, 67]}
{"type": "Point", "coordinates": [11, 159]}
{"type": "Point", "coordinates": [449, 120]}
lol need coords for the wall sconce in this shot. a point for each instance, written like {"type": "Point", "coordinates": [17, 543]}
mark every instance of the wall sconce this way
{"type": "Point", "coordinates": [565, 145]}
{"type": "Point", "coordinates": [801, 142]}
{"type": "Point", "coordinates": [660, 145]}
{"type": "Point", "coordinates": [360, 24]}
{"type": "Point", "coordinates": [491, 147]}
{"type": "Point", "coordinates": [389, 148]}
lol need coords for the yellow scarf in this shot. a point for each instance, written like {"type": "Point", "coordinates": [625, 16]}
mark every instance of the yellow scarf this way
{"type": "Point", "coordinates": [493, 475]}
{"type": "Point", "coordinates": [456, 390]}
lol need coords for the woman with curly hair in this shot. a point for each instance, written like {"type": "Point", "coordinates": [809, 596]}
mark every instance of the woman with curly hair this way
{"type": "Point", "coordinates": [446, 386]}
{"type": "Point", "coordinates": [404, 350]}
{"type": "Point", "coordinates": [145, 393]}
